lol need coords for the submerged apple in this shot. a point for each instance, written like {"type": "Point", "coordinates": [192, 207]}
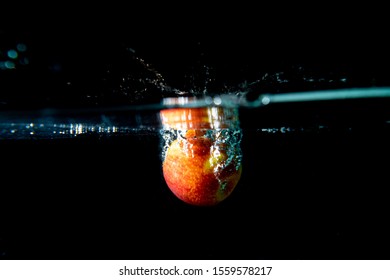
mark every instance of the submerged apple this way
{"type": "Point", "coordinates": [202, 165]}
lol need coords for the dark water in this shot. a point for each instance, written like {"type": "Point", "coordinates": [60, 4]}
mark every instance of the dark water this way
{"type": "Point", "coordinates": [315, 174]}
{"type": "Point", "coordinates": [312, 187]}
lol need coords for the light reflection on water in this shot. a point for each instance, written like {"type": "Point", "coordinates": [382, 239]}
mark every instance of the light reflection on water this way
{"type": "Point", "coordinates": [58, 131]}
{"type": "Point", "coordinates": [145, 118]}
{"type": "Point", "coordinates": [53, 131]}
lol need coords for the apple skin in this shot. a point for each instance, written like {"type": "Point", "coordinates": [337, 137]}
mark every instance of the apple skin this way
{"type": "Point", "coordinates": [198, 171]}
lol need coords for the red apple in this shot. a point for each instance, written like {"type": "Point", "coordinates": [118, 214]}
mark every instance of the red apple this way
{"type": "Point", "coordinates": [197, 169]}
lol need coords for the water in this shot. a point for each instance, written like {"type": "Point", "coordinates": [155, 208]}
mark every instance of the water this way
{"type": "Point", "coordinates": [313, 186]}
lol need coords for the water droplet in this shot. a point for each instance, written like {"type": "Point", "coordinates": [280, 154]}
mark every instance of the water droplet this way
{"type": "Point", "coordinates": [21, 47]}
{"type": "Point", "coordinates": [12, 54]}
{"type": "Point", "coordinates": [217, 100]}
{"type": "Point", "coordinates": [265, 100]}
{"type": "Point", "coordinates": [9, 65]}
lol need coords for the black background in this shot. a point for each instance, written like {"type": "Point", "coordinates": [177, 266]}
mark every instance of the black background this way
{"type": "Point", "coordinates": [303, 195]}
{"type": "Point", "coordinates": [77, 51]}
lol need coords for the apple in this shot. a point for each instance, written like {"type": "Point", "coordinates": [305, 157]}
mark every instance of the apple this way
{"type": "Point", "coordinates": [199, 169]}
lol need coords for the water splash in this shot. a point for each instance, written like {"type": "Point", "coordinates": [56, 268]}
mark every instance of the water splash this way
{"type": "Point", "coordinates": [205, 80]}
{"type": "Point", "coordinates": [135, 84]}
{"type": "Point", "coordinates": [140, 81]}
